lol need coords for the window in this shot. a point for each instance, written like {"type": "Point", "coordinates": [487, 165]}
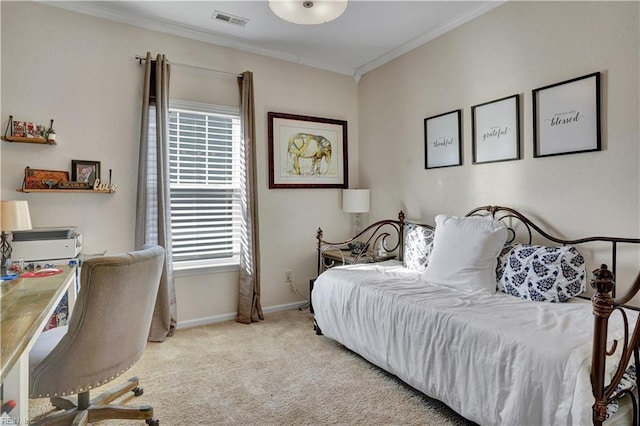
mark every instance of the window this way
{"type": "Point", "coordinates": [204, 173]}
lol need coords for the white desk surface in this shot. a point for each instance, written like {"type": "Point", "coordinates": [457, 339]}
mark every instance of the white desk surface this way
{"type": "Point", "coordinates": [25, 307]}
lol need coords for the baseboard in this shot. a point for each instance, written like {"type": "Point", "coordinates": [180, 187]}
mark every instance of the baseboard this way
{"type": "Point", "coordinates": [232, 315]}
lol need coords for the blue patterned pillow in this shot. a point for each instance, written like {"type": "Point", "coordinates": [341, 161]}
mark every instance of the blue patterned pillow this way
{"type": "Point", "coordinates": [627, 383]}
{"type": "Point", "coordinates": [541, 273]}
{"type": "Point", "coordinates": [503, 258]}
{"type": "Point", "coordinates": [418, 242]}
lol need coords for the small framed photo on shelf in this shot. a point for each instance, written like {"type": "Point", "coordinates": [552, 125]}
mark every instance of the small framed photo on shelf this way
{"type": "Point", "coordinates": [35, 130]}
{"type": "Point", "coordinates": [27, 129]}
{"type": "Point", "coordinates": [566, 117]}
{"type": "Point", "coordinates": [442, 140]}
{"type": "Point", "coordinates": [496, 130]}
{"type": "Point", "coordinates": [85, 171]}
{"type": "Point", "coordinates": [19, 129]}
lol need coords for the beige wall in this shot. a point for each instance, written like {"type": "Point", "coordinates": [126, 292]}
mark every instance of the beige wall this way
{"type": "Point", "coordinates": [514, 48]}
{"type": "Point", "coordinates": [81, 71]}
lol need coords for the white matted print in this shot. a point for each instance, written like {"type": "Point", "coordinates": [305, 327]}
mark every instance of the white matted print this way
{"type": "Point", "coordinates": [307, 152]}
{"type": "Point", "coordinates": [442, 140]}
{"type": "Point", "coordinates": [496, 130]}
{"type": "Point", "coordinates": [566, 117]}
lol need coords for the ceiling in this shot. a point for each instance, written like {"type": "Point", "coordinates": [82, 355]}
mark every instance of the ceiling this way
{"type": "Point", "coordinates": [367, 35]}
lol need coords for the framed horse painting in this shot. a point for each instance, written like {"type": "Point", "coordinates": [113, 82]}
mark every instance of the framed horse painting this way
{"type": "Point", "coordinates": [307, 152]}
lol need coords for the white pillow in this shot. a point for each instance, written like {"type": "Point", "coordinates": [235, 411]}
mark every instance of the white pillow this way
{"type": "Point", "coordinates": [465, 252]}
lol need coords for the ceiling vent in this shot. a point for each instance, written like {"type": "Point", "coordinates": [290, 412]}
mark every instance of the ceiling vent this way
{"type": "Point", "coordinates": [228, 18]}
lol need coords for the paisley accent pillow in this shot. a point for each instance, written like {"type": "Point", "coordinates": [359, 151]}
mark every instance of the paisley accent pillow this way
{"type": "Point", "coordinates": [541, 273]}
{"type": "Point", "coordinates": [627, 383]}
{"type": "Point", "coordinates": [503, 258]}
{"type": "Point", "coordinates": [418, 242]}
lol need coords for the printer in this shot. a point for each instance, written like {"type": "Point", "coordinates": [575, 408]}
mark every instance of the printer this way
{"type": "Point", "coordinates": [46, 243]}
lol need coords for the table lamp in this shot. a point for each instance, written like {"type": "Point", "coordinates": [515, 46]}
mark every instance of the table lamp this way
{"type": "Point", "coordinates": [355, 201]}
{"type": "Point", "coordinates": [14, 216]}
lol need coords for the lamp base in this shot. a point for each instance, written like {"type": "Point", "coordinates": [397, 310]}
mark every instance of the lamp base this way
{"type": "Point", "coordinates": [356, 224]}
{"type": "Point", "coordinates": [5, 250]}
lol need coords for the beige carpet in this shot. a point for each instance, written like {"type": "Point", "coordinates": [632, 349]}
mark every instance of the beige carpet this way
{"type": "Point", "coordinates": [276, 372]}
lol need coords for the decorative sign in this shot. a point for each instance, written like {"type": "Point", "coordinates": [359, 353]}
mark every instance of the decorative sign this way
{"type": "Point", "coordinates": [496, 130]}
{"type": "Point", "coordinates": [73, 185]}
{"type": "Point", "coordinates": [43, 179]}
{"type": "Point", "coordinates": [566, 117]}
{"type": "Point", "coordinates": [442, 141]}
{"type": "Point", "coordinates": [100, 186]}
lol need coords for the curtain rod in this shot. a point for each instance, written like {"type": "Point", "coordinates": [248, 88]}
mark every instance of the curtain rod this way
{"type": "Point", "coordinates": [140, 58]}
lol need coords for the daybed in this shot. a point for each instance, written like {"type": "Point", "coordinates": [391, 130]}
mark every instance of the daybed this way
{"type": "Point", "coordinates": [527, 348]}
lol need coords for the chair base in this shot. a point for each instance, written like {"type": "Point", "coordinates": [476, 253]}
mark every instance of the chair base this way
{"type": "Point", "coordinates": [89, 411]}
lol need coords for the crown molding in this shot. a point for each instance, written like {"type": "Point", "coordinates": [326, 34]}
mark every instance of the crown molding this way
{"type": "Point", "coordinates": [100, 10]}
{"type": "Point", "coordinates": [426, 37]}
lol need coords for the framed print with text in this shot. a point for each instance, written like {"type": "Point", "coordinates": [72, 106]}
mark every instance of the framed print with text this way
{"type": "Point", "coordinates": [496, 130]}
{"type": "Point", "coordinates": [442, 140]}
{"type": "Point", "coordinates": [566, 117]}
{"type": "Point", "coordinates": [307, 152]}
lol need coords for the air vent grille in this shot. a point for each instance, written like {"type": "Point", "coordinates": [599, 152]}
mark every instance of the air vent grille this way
{"type": "Point", "coordinates": [228, 18]}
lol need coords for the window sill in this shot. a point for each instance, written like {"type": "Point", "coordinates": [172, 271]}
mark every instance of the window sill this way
{"type": "Point", "coordinates": [205, 270]}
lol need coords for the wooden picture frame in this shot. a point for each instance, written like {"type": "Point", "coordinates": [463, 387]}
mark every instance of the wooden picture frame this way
{"type": "Point", "coordinates": [496, 130]}
{"type": "Point", "coordinates": [443, 140]}
{"type": "Point", "coordinates": [307, 152]}
{"type": "Point", "coordinates": [566, 117]}
{"type": "Point", "coordinates": [43, 179]}
{"type": "Point", "coordinates": [85, 171]}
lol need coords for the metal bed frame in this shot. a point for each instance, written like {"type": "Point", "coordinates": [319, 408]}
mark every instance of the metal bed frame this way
{"type": "Point", "coordinates": [389, 234]}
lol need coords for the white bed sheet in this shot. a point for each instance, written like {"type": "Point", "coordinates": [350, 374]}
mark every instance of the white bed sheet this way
{"type": "Point", "coordinates": [493, 358]}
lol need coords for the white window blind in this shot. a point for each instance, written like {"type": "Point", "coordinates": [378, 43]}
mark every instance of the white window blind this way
{"type": "Point", "coordinates": [204, 171]}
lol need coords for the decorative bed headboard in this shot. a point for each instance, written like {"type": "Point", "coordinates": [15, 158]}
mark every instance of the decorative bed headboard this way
{"type": "Point", "coordinates": [391, 234]}
{"type": "Point", "coordinates": [524, 229]}
{"type": "Point", "coordinates": [361, 248]}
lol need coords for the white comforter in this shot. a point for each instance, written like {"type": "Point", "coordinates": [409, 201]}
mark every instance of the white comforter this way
{"type": "Point", "coordinates": [493, 358]}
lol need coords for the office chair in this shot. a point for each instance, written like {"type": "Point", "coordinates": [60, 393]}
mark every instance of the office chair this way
{"type": "Point", "coordinates": [106, 335]}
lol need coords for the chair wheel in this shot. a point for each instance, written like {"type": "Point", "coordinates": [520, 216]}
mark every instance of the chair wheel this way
{"type": "Point", "coordinates": [153, 422]}
{"type": "Point", "coordinates": [137, 391]}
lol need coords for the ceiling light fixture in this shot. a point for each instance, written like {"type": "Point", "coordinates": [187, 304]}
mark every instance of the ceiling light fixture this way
{"type": "Point", "coordinates": [308, 12]}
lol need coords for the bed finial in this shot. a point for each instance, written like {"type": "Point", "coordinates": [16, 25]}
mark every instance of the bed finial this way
{"type": "Point", "coordinates": [603, 280]}
{"type": "Point", "coordinates": [602, 301]}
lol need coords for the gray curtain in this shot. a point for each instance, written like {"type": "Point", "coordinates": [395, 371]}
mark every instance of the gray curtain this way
{"type": "Point", "coordinates": [153, 220]}
{"type": "Point", "coordinates": [249, 309]}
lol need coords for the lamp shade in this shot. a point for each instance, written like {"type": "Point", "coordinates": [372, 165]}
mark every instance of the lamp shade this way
{"type": "Point", "coordinates": [14, 216]}
{"type": "Point", "coordinates": [308, 12]}
{"type": "Point", "coordinates": [355, 200]}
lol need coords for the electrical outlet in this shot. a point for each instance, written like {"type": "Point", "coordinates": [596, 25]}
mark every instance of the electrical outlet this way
{"type": "Point", "coordinates": [287, 276]}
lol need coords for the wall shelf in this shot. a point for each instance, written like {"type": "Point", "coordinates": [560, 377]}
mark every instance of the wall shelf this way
{"type": "Point", "coordinates": [84, 191]}
{"type": "Point", "coordinates": [40, 141]}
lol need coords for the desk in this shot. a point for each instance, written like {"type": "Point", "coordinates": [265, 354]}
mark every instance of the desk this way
{"type": "Point", "coordinates": [25, 307]}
